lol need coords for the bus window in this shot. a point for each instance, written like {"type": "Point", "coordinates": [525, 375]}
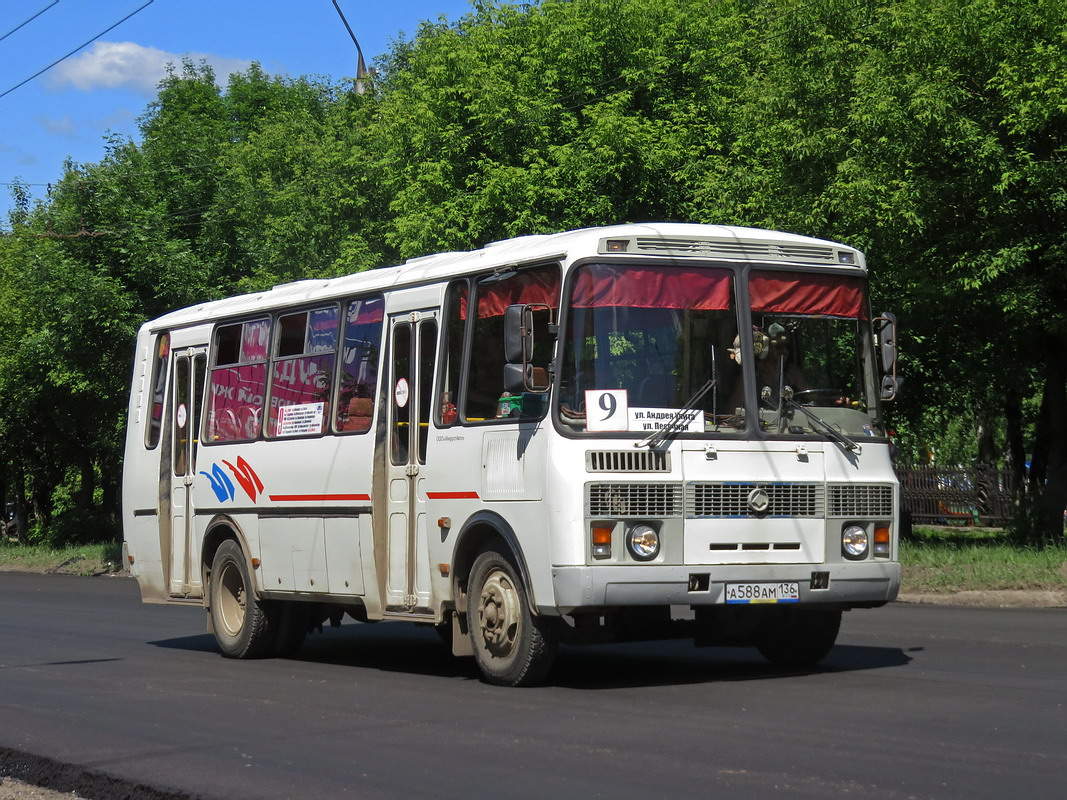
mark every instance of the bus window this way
{"type": "Point", "coordinates": [454, 327]}
{"type": "Point", "coordinates": [656, 334]}
{"type": "Point", "coordinates": [485, 381]}
{"type": "Point", "coordinates": [427, 359]}
{"type": "Point", "coordinates": [302, 376]}
{"type": "Point", "coordinates": [238, 381]}
{"type": "Point", "coordinates": [401, 405]}
{"type": "Point", "coordinates": [359, 365]}
{"type": "Point", "coordinates": [159, 384]}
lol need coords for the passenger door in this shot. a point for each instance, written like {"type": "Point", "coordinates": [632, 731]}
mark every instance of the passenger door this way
{"type": "Point", "coordinates": [189, 366]}
{"type": "Point", "coordinates": [412, 354]}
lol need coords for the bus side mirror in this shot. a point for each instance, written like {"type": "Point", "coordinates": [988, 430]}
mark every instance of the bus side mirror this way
{"type": "Point", "coordinates": [518, 333]}
{"type": "Point", "coordinates": [887, 340]}
{"type": "Point", "coordinates": [887, 346]}
{"type": "Point", "coordinates": [519, 374]}
{"type": "Point", "coordinates": [515, 378]}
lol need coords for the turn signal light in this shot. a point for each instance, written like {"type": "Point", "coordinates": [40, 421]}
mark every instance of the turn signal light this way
{"type": "Point", "coordinates": [602, 541]}
{"type": "Point", "coordinates": [881, 542]}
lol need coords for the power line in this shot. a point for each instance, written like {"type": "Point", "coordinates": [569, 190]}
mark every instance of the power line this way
{"type": "Point", "coordinates": [570, 103]}
{"type": "Point", "coordinates": [27, 22]}
{"type": "Point", "coordinates": [76, 49]}
{"type": "Point", "coordinates": [542, 109]}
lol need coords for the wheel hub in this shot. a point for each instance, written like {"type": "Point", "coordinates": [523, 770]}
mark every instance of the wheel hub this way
{"type": "Point", "coordinates": [232, 599]}
{"type": "Point", "coordinates": [499, 613]}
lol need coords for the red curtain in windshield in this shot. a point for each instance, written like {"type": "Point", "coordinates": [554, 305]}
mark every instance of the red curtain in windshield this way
{"type": "Point", "coordinates": [529, 286]}
{"type": "Point", "coordinates": [679, 288]}
{"type": "Point", "coordinates": [811, 295]}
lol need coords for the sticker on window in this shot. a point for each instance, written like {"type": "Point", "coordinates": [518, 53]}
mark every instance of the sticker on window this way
{"type": "Point", "coordinates": [606, 410]}
{"type": "Point", "coordinates": [300, 420]}
{"type": "Point", "coordinates": [401, 393]}
{"type": "Point", "coordinates": [647, 420]}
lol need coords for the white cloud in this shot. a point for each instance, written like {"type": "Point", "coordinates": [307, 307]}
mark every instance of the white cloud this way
{"type": "Point", "coordinates": [127, 64]}
{"type": "Point", "coordinates": [58, 127]}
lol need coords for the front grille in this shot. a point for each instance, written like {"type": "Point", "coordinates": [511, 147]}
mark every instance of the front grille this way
{"type": "Point", "coordinates": [627, 461]}
{"type": "Point", "coordinates": [732, 500]}
{"type": "Point", "coordinates": [634, 500]}
{"type": "Point", "coordinates": [859, 500]}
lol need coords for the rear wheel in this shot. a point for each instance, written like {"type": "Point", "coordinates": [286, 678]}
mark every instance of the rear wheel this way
{"type": "Point", "coordinates": [799, 637]}
{"type": "Point", "coordinates": [241, 623]}
{"type": "Point", "coordinates": [512, 645]}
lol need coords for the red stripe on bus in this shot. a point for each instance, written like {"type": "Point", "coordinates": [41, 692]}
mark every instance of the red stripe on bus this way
{"type": "Point", "coordinates": [452, 495]}
{"type": "Point", "coordinates": [317, 497]}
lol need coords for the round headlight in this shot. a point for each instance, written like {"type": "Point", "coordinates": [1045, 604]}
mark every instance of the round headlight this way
{"type": "Point", "coordinates": [854, 542]}
{"type": "Point", "coordinates": [643, 542]}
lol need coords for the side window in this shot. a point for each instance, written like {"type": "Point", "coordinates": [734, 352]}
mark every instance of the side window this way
{"type": "Point", "coordinates": [238, 381]}
{"type": "Point", "coordinates": [455, 325]}
{"type": "Point", "coordinates": [427, 361]}
{"type": "Point", "coordinates": [359, 365]}
{"type": "Point", "coordinates": [485, 377]}
{"type": "Point", "coordinates": [159, 384]}
{"type": "Point", "coordinates": [302, 376]}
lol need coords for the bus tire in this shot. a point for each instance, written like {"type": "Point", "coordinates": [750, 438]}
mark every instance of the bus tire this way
{"type": "Point", "coordinates": [512, 645]}
{"type": "Point", "coordinates": [799, 637]}
{"type": "Point", "coordinates": [241, 623]}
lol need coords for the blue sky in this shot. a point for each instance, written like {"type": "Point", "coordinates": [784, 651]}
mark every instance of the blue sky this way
{"type": "Point", "coordinates": [67, 111]}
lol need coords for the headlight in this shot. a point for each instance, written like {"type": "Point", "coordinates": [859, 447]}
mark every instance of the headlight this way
{"type": "Point", "coordinates": [643, 542]}
{"type": "Point", "coordinates": [854, 542]}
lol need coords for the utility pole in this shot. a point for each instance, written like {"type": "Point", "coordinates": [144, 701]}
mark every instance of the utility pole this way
{"type": "Point", "coordinates": [363, 75]}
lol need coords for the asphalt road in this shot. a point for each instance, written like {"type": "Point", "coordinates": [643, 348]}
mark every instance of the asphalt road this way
{"type": "Point", "coordinates": [914, 702]}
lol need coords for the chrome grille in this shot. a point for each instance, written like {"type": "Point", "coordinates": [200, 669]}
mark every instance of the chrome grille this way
{"type": "Point", "coordinates": [627, 461]}
{"type": "Point", "coordinates": [860, 500]}
{"type": "Point", "coordinates": [731, 499]}
{"type": "Point", "coordinates": [634, 500]}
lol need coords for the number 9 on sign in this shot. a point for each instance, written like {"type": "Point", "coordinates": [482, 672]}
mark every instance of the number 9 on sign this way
{"type": "Point", "coordinates": [606, 410]}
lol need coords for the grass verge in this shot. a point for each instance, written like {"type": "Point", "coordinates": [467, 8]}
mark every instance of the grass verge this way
{"type": "Point", "coordinates": [86, 559]}
{"type": "Point", "coordinates": [946, 560]}
{"type": "Point", "coordinates": [938, 561]}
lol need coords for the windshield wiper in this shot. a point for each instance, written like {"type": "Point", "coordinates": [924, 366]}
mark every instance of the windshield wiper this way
{"type": "Point", "coordinates": [656, 438]}
{"type": "Point", "coordinates": [827, 430]}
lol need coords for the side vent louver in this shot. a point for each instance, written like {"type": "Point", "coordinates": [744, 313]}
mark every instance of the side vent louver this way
{"type": "Point", "coordinates": [627, 461]}
{"type": "Point", "coordinates": [764, 251]}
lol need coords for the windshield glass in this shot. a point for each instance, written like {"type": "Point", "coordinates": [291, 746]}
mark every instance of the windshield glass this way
{"type": "Point", "coordinates": [641, 341]}
{"type": "Point", "coordinates": [812, 344]}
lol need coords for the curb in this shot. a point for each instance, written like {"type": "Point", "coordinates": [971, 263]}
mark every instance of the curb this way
{"type": "Point", "coordinates": [1001, 598]}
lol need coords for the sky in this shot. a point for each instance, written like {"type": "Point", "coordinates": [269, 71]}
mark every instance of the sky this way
{"type": "Point", "coordinates": [67, 111]}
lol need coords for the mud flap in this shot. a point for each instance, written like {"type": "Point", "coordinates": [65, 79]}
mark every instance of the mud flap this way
{"type": "Point", "coordinates": [461, 640]}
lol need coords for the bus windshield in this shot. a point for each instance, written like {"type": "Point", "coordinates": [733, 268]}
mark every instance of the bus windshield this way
{"type": "Point", "coordinates": [813, 354]}
{"type": "Point", "coordinates": [641, 341]}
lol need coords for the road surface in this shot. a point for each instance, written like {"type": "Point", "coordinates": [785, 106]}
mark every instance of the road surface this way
{"type": "Point", "coordinates": [914, 702]}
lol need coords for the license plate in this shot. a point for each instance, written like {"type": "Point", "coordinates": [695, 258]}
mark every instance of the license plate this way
{"type": "Point", "coordinates": [788, 592]}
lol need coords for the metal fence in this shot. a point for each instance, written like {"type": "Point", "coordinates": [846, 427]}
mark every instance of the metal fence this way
{"type": "Point", "coordinates": [979, 495]}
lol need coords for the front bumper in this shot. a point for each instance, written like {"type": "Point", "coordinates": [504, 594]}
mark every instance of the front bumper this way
{"type": "Point", "coordinates": [592, 587]}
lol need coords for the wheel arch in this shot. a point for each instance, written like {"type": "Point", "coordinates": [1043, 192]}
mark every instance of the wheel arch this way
{"type": "Point", "coordinates": [219, 530]}
{"type": "Point", "coordinates": [479, 531]}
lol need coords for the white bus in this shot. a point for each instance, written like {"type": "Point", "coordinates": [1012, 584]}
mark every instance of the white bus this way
{"type": "Point", "coordinates": [620, 433]}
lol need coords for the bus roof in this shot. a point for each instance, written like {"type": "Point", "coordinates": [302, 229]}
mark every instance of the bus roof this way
{"type": "Point", "coordinates": [669, 239]}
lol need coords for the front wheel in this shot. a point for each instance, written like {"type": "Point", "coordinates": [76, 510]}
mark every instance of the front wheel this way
{"type": "Point", "coordinates": [241, 623]}
{"type": "Point", "coordinates": [512, 645]}
{"type": "Point", "coordinates": [799, 637]}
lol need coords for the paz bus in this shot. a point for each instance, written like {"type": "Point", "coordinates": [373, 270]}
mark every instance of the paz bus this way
{"type": "Point", "coordinates": [622, 433]}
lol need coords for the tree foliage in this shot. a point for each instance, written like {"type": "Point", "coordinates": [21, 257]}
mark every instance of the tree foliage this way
{"type": "Point", "coordinates": [929, 132]}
